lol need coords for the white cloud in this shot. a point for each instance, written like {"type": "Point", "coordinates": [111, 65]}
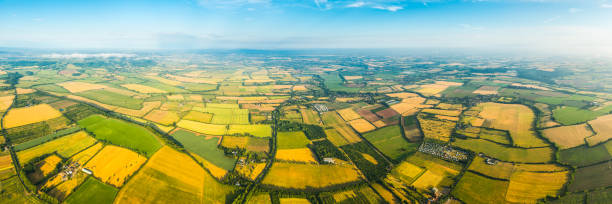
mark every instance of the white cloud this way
{"type": "Point", "coordinates": [389, 8]}
{"type": "Point", "coordinates": [575, 10]}
{"type": "Point", "coordinates": [606, 6]}
{"type": "Point", "coordinates": [356, 4]}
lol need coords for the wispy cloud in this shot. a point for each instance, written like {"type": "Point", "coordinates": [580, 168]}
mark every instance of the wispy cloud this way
{"type": "Point", "coordinates": [606, 6]}
{"type": "Point", "coordinates": [231, 3]}
{"type": "Point", "coordinates": [357, 4]}
{"type": "Point", "coordinates": [388, 8]}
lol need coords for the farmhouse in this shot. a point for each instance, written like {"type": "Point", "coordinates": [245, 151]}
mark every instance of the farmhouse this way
{"type": "Point", "coordinates": [329, 160]}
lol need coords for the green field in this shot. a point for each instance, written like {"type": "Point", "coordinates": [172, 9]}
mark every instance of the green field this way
{"type": "Point", "coordinates": [112, 98]}
{"type": "Point", "coordinates": [389, 141]}
{"type": "Point", "coordinates": [254, 130]}
{"type": "Point", "coordinates": [93, 191]}
{"type": "Point", "coordinates": [226, 113]}
{"type": "Point", "coordinates": [571, 115]}
{"type": "Point", "coordinates": [473, 188]}
{"type": "Point", "coordinates": [583, 155]}
{"type": "Point", "coordinates": [533, 155]}
{"type": "Point", "coordinates": [51, 88]}
{"type": "Point", "coordinates": [591, 177]}
{"type": "Point", "coordinates": [121, 133]}
{"type": "Point", "coordinates": [291, 140]}
{"type": "Point", "coordinates": [12, 191]}
{"type": "Point", "coordinates": [165, 87]}
{"type": "Point", "coordinates": [206, 148]}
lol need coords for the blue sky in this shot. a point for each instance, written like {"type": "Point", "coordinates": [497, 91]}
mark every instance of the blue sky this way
{"type": "Point", "coordinates": [579, 25]}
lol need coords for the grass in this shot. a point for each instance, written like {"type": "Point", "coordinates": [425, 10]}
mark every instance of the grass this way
{"type": "Point", "coordinates": [501, 170]}
{"type": "Point", "coordinates": [93, 191]}
{"type": "Point", "coordinates": [583, 155]}
{"type": "Point", "coordinates": [473, 188]}
{"type": "Point", "coordinates": [291, 140]}
{"type": "Point", "coordinates": [122, 133]}
{"type": "Point", "coordinates": [591, 177]}
{"type": "Point", "coordinates": [389, 141]}
{"type": "Point", "coordinates": [112, 98]}
{"type": "Point", "coordinates": [569, 115]}
{"type": "Point", "coordinates": [114, 165]}
{"type": "Point", "coordinates": [534, 155]}
{"type": "Point", "coordinates": [64, 146]}
{"type": "Point", "coordinates": [254, 130]}
{"type": "Point", "coordinates": [205, 147]}
{"type": "Point", "coordinates": [305, 176]}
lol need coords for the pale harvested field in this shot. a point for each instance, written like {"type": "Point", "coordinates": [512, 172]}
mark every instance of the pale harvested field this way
{"type": "Point", "coordinates": [442, 112]}
{"type": "Point", "coordinates": [164, 80]}
{"type": "Point", "coordinates": [405, 108]}
{"type": "Point", "coordinates": [27, 115]}
{"type": "Point", "coordinates": [114, 165]}
{"type": "Point", "coordinates": [303, 176]}
{"type": "Point", "coordinates": [6, 101]}
{"type": "Point", "coordinates": [162, 117]}
{"type": "Point", "coordinates": [348, 114]}
{"type": "Point", "coordinates": [568, 136]}
{"type": "Point", "coordinates": [402, 95]}
{"type": "Point", "coordinates": [486, 90]}
{"type": "Point", "coordinates": [25, 91]}
{"type": "Point", "coordinates": [431, 89]}
{"type": "Point", "coordinates": [436, 129]}
{"type": "Point", "coordinates": [515, 118]}
{"type": "Point", "coordinates": [75, 86]}
{"type": "Point", "coordinates": [300, 88]}
{"type": "Point", "coordinates": [146, 107]}
{"type": "Point", "coordinates": [362, 125]}
{"type": "Point", "coordinates": [353, 77]}
{"type": "Point", "coordinates": [142, 88]}
{"type": "Point", "coordinates": [296, 155]}
{"type": "Point", "coordinates": [167, 176]}
{"type": "Point", "coordinates": [603, 129]}
{"type": "Point", "coordinates": [450, 118]}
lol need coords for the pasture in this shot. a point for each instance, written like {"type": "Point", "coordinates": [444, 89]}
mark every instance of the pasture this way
{"type": "Point", "coordinates": [583, 155]}
{"type": "Point", "coordinates": [534, 155]}
{"type": "Point", "coordinates": [592, 177]}
{"type": "Point", "coordinates": [389, 141]}
{"type": "Point", "coordinates": [515, 118]}
{"type": "Point", "coordinates": [114, 165]}
{"type": "Point", "coordinates": [304, 176]}
{"type": "Point", "coordinates": [204, 128]}
{"type": "Point", "coordinates": [27, 115]}
{"type": "Point", "coordinates": [65, 146]}
{"type": "Point", "coordinates": [205, 147]}
{"type": "Point", "coordinates": [291, 140]}
{"type": "Point", "coordinates": [122, 133]}
{"type": "Point", "coordinates": [93, 191]}
{"type": "Point", "coordinates": [167, 175]}
{"type": "Point", "coordinates": [568, 136]}
{"type": "Point", "coordinates": [473, 188]}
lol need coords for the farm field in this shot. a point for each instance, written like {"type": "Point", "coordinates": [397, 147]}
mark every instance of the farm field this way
{"type": "Point", "coordinates": [304, 155]}
{"type": "Point", "coordinates": [583, 155]}
{"type": "Point", "coordinates": [531, 186]}
{"type": "Point", "coordinates": [390, 141]}
{"type": "Point", "coordinates": [122, 133]}
{"type": "Point", "coordinates": [302, 176]}
{"type": "Point", "coordinates": [86, 154]}
{"type": "Point", "coordinates": [254, 130]}
{"type": "Point", "coordinates": [602, 126]}
{"type": "Point", "coordinates": [310, 116]}
{"type": "Point", "coordinates": [333, 120]}
{"type": "Point", "coordinates": [436, 129]}
{"type": "Point", "coordinates": [516, 119]}
{"type": "Point", "coordinates": [204, 128]}
{"type": "Point", "coordinates": [568, 136]}
{"type": "Point", "coordinates": [27, 115]}
{"type": "Point", "coordinates": [142, 88]}
{"type": "Point", "coordinates": [248, 143]}
{"type": "Point", "coordinates": [111, 98]}
{"type": "Point", "coordinates": [114, 165]}
{"type": "Point", "coordinates": [205, 147]}
{"type": "Point", "coordinates": [473, 188]}
{"type": "Point", "coordinates": [93, 191]}
{"type": "Point", "coordinates": [592, 177]}
{"type": "Point", "coordinates": [292, 140]}
{"type": "Point", "coordinates": [65, 146]}
{"type": "Point", "coordinates": [534, 155]}
{"type": "Point", "coordinates": [361, 125]}
{"type": "Point", "coordinates": [198, 116]}
{"type": "Point", "coordinates": [162, 117]}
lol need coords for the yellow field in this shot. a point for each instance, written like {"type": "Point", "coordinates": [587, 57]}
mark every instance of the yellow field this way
{"type": "Point", "coordinates": [49, 164]}
{"type": "Point", "coordinates": [84, 156]}
{"type": "Point", "coordinates": [142, 88]}
{"type": "Point", "coordinates": [603, 129]}
{"type": "Point", "coordinates": [6, 101]}
{"type": "Point", "coordinates": [65, 146]}
{"type": "Point", "coordinates": [86, 100]}
{"type": "Point", "coordinates": [113, 165]}
{"type": "Point", "coordinates": [251, 170]}
{"type": "Point", "coordinates": [146, 107]}
{"type": "Point", "coordinates": [334, 137]}
{"type": "Point", "coordinates": [27, 115]}
{"type": "Point", "coordinates": [296, 155]}
{"type": "Point", "coordinates": [198, 116]}
{"type": "Point", "coordinates": [294, 201]}
{"type": "Point", "coordinates": [6, 166]}
{"type": "Point", "coordinates": [427, 180]}
{"type": "Point", "coordinates": [214, 170]}
{"type": "Point", "coordinates": [62, 190]}
{"type": "Point", "coordinates": [405, 108]}
{"type": "Point", "coordinates": [369, 158]}
{"type": "Point", "coordinates": [362, 125]}
{"type": "Point", "coordinates": [162, 117]}
{"type": "Point", "coordinates": [528, 187]}
{"type": "Point", "coordinates": [300, 88]}
{"type": "Point", "coordinates": [436, 129]}
{"type": "Point", "coordinates": [450, 118]}
{"type": "Point", "coordinates": [384, 193]}
{"type": "Point", "coordinates": [402, 95]}
{"type": "Point", "coordinates": [302, 176]}
{"type": "Point", "coordinates": [515, 118]}
{"type": "Point", "coordinates": [164, 80]}
{"type": "Point", "coordinates": [176, 97]}
{"type": "Point", "coordinates": [203, 128]}
{"type": "Point", "coordinates": [75, 86]}
{"type": "Point", "coordinates": [379, 123]}
{"type": "Point", "coordinates": [348, 114]}
{"type": "Point", "coordinates": [431, 89]}
{"type": "Point", "coordinates": [442, 112]}
{"type": "Point", "coordinates": [407, 172]}
{"type": "Point", "coordinates": [567, 136]}
{"type": "Point", "coordinates": [167, 176]}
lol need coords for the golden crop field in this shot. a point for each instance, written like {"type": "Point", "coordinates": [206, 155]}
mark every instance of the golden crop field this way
{"type": "Point", "coordinates": [427, 180]}
{"type": "Point", "coordinates": [348, 114]}
{"type": "Point", "coordinates": [64, 189]}
{"type": "Point", "coordinates": [300, 88]}
{"type": "Point", "coordinates": [334, 137]}
{"type": "Point", "coordinates": [333, 120]}
{"type": "Point", "coordinates": [529, 187]}
{"type": "Point", "coordinates": [113, 164]}
{"type": "Point", "coordinates": [198, 116]}
{"type": "Point", "coordinates": [294, 201]}
{"type": "Point", "coordinates": [75, 86]}
{"type": "Point", "coordinates": [436, 129]}
{"type": "Point", "coordinates": [405, 108]}
{"type": "Point", "coordinates": [302, 176]}
{"type": "Point", "coordinates": [27, 115]}
{"type": "Point", "coordinates": [65, 146]}
{"type": "Point", "coordinates": [567, 136]}
{"type": "Point", "coordinates": [603, 129]}
{"type": "Point", "coordinates": [369, 158]}
{"type": "Point", "coordinates": [84, 156]}
{"type": "Point", "coordinates": [402, 95]}
{"type": "Point", "coordinates": [214, 170]}
{"type": "Point", "coordinates": [362, 125]}
{"type": "Point", "coordinates": [515, 118]}
{"type": "Point", "coordinates": [142, 88]}
{"type": "Point", "coordinates": [6, 166]}
{"type": "Point", "coordinates": [407, 172]}
{"type": "Point", "coordinates": [251, 170]}
{"type": "Point", "coordinates": [432, 89]}
{"type": "Point", "coordinates": [162, 117]}
{"type": "Point", "coordinates": [449, 118]}
{"type": "Point", "coordinates": [175, 97]}
{"type": "Point", "coordinates": [5, 102]}
{"type": "Point", "coordinates": [204, 128]}
{"type": "Point", "coordinates": [146, 107]}
{"type": "Point", "coordinates": [442, 112]}
{"type": "Point", "coordinates": [296, 155]}
{"type": "Point", "coordinates": [167, 176]}
{"type": "Point", "coordinates": [49, 164]}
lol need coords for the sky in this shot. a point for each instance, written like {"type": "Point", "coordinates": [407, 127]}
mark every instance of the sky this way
{"type": "Point", "coordinates": [573, 26]}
